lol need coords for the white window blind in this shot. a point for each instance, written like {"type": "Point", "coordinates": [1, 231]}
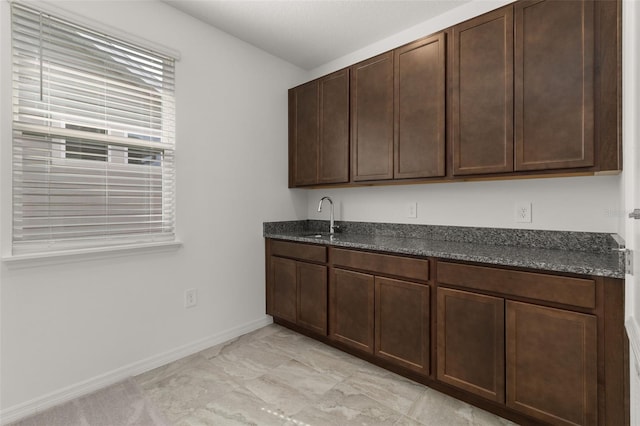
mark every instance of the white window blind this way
{"type": "Point", "coordinates": [93, 138]}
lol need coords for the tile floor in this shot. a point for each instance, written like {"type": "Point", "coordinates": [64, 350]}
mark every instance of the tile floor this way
{"type": "Point", "coordinates": [272, 376]}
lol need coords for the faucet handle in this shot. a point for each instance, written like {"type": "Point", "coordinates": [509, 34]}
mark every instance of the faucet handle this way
{"type": "Point", "coordinates": [336, 228]}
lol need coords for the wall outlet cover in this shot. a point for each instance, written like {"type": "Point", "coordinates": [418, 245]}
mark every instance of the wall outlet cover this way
{"type": "Point", "coordinates": [412, 210]}
{"type": "Point", "coordinates": [190, 298]}
{"type": "Point", "coordinates": [522, 212]}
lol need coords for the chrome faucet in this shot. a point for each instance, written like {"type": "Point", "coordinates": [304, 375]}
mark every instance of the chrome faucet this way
{"type": "Point", "coordinates": [332, 225]}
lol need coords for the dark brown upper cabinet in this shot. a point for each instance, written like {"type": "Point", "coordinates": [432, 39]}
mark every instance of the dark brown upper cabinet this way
{"type": "Point", "coordinates": [303, 134]}
{"type": "Point", "coordinates": [554, 84]}
{"type": "Point", "coordinates": [372, 119]}
{"type": "Point", "coordinates": [532, 73]}
{"type": "Point", "coordinates": [530, 89]}
{"type": "Point", "coordinates": [319, 131]}
{"type": "Point", "coordinates": [482, 94]}
{"type": "Point", "coordinates": [419, 89]}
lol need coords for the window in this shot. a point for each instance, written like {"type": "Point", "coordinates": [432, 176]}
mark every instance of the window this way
{"type": "Point", "coordinates": [93, 138]}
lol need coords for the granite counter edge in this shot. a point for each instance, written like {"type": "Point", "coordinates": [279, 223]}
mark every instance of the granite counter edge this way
{"type": "Point", "coordinates": [596, 270]}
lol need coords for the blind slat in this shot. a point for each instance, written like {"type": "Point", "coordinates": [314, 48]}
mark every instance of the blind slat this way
{"type": "Point", "coordinates": [93, 138]}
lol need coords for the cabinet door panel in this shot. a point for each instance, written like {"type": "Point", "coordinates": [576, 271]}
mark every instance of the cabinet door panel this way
{"type": "Point", "coordinates": [372, 119]}
{"type": "Point", "coordinates": [312, 297]}
{"type": "Point", "coordinates": [552, 364]}
{"type": "Point", "coordinates": [334, 128]}
{"type": "Point", "coordinates": [419, 82]}
{"type": "Point", "coordinates": [303, 104]}
{"type": "Point", "coordinates": [402, 323]}
{"type": "Point", "coordinates": [471, 342]}
{"type": "Point", "coordinates": [284, 288]}
{"type": "Point", "coordinates": [351, 309]}
{"type": "Point", "coordinates": [554, 84]}
{"type": "Point", "coordinates": [482, 95]}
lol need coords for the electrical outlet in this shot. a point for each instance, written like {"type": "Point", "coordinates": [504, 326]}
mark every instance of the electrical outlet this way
{"type": "Point", "coordinates": [412, 209]}
{"type": "Point", "coordinates": [523, 212]}
{"type": "Point", "coordinates": [190, 298]}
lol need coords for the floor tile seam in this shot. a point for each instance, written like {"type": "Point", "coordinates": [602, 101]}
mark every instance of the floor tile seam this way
{"type": "Point", "coordinates": [163, 376]}
{"type": "Point", "coordinates": [371, 395]}
{"type": "Point", "coordinates": [82, 417]}
{"type": "Point", "coordinates": [275, 408]}
{"type": "Point", "coordinates": [318, 370]}
{"type": "Point", "coordinates": [285, 384]}
{"type": "Point", "coordinates": [154, 410]}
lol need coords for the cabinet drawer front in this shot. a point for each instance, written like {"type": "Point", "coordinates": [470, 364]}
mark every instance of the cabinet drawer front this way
{"type": "Point", "coordinates": [406, 267]}
{"type": "Point", "coordinates": [299, 251]}
{"type": "Point", "coordinates": [569, 291]}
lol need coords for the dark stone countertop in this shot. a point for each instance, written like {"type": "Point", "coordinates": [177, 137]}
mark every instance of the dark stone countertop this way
{"type": "Point", "coordinates": [557, 251]}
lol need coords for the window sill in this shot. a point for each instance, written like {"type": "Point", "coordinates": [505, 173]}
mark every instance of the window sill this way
{"type": "Point", "coordinates": [67, 256]}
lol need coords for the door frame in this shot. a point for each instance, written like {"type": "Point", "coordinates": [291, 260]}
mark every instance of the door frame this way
{"type": "Point", "coordinates": [631, 189]}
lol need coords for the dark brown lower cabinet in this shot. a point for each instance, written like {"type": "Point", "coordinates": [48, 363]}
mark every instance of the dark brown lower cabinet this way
{"type": "Point", "coordinates": [536, 347]}
{"type": "Point", "coordinates": [299, 293]}
{"type": "Point", "coordinates": [550, 355]}
{"type": "Point", "coordinates": [470, 351]}
{"type": "Point", "coordinates": [312, 297]}
{"type": "Point", "coordinates": [552, 364]}
{"type": "Point", "coordinates": [351, 309]}
{"type": "Point", "coordinates": [402, 323]}
{"type": "Point", "coordinates": [284, 288]}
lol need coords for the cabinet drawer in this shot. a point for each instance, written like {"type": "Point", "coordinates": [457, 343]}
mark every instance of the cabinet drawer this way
{"type": "Point", "coordinates": [552, 288]}
{"type": "Point", "coordinates": [299, 251]}
{"type": "Point", "coordinates": [406, 267]}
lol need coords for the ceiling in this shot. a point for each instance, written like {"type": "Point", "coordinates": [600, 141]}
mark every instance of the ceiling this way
{"type": "Point", "coordinates": [310, 33]}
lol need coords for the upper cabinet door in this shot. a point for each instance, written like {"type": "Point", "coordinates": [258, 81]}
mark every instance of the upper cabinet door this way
{"type": "Point", "coordinates": [419, 88]}
{"type": "Point", "coordinates": [303, 135]}
{"type": "Point", "coordinates": [482, 94]}
{"type": "Point", "coordinates": [334, 128]}
{"type": "Point", "coordinates": [554, 85]}
{"type": "Point", "coordinates": [372, 119]}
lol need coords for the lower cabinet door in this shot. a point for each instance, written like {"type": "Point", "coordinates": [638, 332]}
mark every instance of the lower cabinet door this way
{"type": "Point", "coordinates": [312, 297]}
{"type": "Point", "coordinates": [402, 323]}
{"type": "Point", "coordinates": [284, 288]}
{"type": "Point", "coordinates": [552, 364]}
{"type": "Point", "coordinates": [470, 351]}
{"type": "Point", "coordinates": [351, 309]}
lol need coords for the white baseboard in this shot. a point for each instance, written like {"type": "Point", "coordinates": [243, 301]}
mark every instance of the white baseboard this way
{"type": "Point", "coordinates": [93, 384]}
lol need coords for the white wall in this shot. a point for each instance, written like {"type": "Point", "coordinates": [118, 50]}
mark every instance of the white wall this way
{"type": "Point", "coordinates": [67, 326]}
{"type": "Point", "coordinates": [575, 204]}
{"type": "Point", "coordinates": [570, 204]}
